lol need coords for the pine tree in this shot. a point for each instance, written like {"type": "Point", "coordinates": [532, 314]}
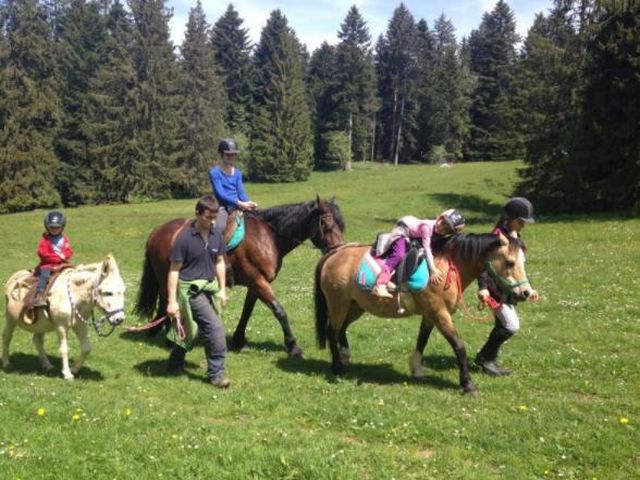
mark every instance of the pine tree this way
{"type": "Point", "coordinates": [547, 80]}
{"type": "Point", "coordinates": [116, 151]}
{"type": "Point", "coordinates": [450, 93]}
{"type": "Point", "coordinates": [157, 86]}
{"type": "Point", "coordinates": [395, 65]}
{"type": "Point", "coordinates": [355, 82]}
{"type": "Point", "coordinates": [29, 111]}
{"type": "Point", "coordinates": [493, 113]}
{"type": "Point", "coordinates": [425, 61]}
{"type": "Point", "coordinates": [202, 110]}
{"type": "Point", "coordinates": [233, 57]}
{"type": "Point", "coordinates": [605, 158]}
{"type": "Point", "coordinates": [81, 37]}
{"type": "Point", "coordinates": [321, 84]}
{"type": "Point", "coordinates": [281, 146]}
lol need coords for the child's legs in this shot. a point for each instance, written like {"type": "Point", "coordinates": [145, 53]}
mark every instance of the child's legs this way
{"type": "Point", "coordinates": [43, 279]}
{"type": "Point", "coordinates": [221, 221]}
{"type": "Point", "coordinates": [508, 317]}
{"type": "Point", "coordinates": [397, 251]}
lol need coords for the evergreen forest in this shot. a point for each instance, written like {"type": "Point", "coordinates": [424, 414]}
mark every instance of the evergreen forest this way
{"type": "Point", "coordinates": [97, 105]}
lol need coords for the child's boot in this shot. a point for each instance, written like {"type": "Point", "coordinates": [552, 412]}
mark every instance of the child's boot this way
{"type": "Point", "coordinates": [381, 291]}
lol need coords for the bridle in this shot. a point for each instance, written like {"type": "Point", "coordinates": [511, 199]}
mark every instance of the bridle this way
{"type": "Point", "coordinates": [95, 300]}
{"type": "Point", "coordinates": [510, 285]}
{"type": "Point", "coordinates": [327, 226]}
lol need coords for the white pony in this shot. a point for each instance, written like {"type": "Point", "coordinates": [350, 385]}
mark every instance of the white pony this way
{"type": "Point", "coordinates": [72, 299]}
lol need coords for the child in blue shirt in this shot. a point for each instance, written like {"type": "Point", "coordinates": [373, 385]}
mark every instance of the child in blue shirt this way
{"type": "Point", "coordinates": [226, 182]}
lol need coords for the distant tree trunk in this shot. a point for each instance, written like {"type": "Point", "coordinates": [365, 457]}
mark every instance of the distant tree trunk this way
{"type": "Point", "coordinates": [398, 136]}
{"type": "Point", "coordinates": [347, 164]}
{"type": "Point", "coordinates": [394, 119]}
{"type": "Point", "coordinates": [373, 138]}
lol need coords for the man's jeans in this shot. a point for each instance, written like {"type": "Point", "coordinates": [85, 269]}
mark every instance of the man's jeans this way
{"type": "Point", "coordinates": [215, 342]}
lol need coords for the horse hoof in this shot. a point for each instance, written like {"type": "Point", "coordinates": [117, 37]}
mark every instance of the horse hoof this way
{"type": "Point", "coordinates": [69, 378]}
{"type": "Point", "coordinates": [296, 352]}
{"type": "Point", "coordinates": [338, 369]}
{"type": "Point", "coordinates": [473, 393]}
{"type": "Point", "coordinates": [6, 367]}
{"type": "Point", "coordinates": [239, 345]}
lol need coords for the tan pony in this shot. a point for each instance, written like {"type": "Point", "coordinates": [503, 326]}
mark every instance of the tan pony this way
{"type": "Point", "coordinates": [462, 257]}
{"type": "Point", "coordinates": [71, 300]}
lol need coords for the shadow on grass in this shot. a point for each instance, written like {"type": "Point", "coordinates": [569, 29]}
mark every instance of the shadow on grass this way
{"type": "Point", "coordinates": [265, 346]}
{"type": "Point", "coordinates": [158, 368]}
{"type": "Point", "coordinates": [25, 364]}
{"type": "Point", "coordinates": [379, 373]}
{"type": "Point", "coordinates": [439, 362]}
{"type": "Point", "coordinates": [475, 208]}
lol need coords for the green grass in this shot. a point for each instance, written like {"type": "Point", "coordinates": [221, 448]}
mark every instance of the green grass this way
{"type": "Point", "coordinates": [558, 416]}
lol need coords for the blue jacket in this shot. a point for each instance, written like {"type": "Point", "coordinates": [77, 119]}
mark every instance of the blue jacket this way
{"type": "Point", "coordinates": [228, 189]}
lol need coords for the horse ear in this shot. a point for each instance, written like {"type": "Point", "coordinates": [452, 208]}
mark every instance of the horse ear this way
{"type": "Point", "coordinates": [333, 200]}
{"type": "Point", "coordinates": [105, 267]}
{"type": "Point", "coordinates": [108, 265]}
{"type": "Point", "coordinates": [504, 241]}
{"type": "Point", "coordinates": [318, 201]}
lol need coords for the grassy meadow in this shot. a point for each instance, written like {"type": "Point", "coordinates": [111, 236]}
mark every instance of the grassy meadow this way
{"type": "Point", "coordinates": [571, 410]}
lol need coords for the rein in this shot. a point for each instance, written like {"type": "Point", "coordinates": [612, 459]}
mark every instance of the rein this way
{"type": "Point", "coordinates": [453, 270]}
{"type": "Point", "coordinates": [154, 323]}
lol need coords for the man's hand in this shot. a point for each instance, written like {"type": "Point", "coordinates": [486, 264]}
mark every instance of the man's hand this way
{"type": "Point", "coordinates": [173, 310]}
{"type": "Point", "coordinates": [223, 297]}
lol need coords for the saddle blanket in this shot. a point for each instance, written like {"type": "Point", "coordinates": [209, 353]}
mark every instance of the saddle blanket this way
{"type": "Point", "coordinates": [370, 267]}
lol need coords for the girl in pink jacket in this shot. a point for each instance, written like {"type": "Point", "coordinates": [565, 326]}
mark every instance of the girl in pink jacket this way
{"type": "Point", "coordinates": [409, 228]}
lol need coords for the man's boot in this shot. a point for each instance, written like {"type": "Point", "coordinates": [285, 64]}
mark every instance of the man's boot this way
{"type": "Point", "coordinates": [486, 358]}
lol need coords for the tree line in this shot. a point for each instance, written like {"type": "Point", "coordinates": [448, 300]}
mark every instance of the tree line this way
{"type": "Point", "coordinates": [96, 104]}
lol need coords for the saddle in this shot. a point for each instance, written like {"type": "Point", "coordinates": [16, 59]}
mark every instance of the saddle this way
{"type": "Point", "coordinates": [234, 231]}
{"type": "Point", "coordinates": [411, 274]}
{"type": "Point", "coordinates": [29, 310]}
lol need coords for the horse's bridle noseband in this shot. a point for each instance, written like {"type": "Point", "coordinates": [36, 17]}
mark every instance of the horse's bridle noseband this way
{"type": "Point", "coordinates": [326, 226]}
{"type": "Point", "coordinates": [97, 324]}
{"type": "Point", "coordinates": [510, 285]}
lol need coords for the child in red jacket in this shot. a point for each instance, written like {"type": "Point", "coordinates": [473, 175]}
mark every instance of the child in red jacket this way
{"type": "Point", "coordinates": [54, 249]}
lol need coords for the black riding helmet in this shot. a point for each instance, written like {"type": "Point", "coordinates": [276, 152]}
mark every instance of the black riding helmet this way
{"type": "Point", "coordinates": [54, 219]}
{"type": "Point", "coordinates": [454, 219]}
{"type": "Point", "coordinates": [519, 207]}
{"type": "Point", "coordinates": [228, 145]}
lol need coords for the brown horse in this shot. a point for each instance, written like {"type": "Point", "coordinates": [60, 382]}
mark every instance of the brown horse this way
{"type": "Point", "coordinates": [339, 301]}
{"type": "Point", "coordinates": [270, 234]}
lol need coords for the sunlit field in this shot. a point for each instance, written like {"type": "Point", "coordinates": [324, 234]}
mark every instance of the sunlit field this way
{"type": "Point", "coordinates": [570, 410]}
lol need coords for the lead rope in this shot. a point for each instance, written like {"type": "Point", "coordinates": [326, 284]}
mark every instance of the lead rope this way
{"type": "Point", "coordinates": [453, 270]}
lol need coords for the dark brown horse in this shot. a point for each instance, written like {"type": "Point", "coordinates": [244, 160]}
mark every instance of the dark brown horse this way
{"type": "Point", "coordinates": [270, 234]}
{"type": "Point", "coordinates": [340, 302]}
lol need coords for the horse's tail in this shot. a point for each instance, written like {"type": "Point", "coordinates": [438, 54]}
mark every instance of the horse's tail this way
{"type": "Point", "coordinates": [321, 305]}
{"type": "Point", "coordinates": [149, 291]}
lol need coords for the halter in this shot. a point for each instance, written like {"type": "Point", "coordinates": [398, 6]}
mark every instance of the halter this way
{"type": "Point", "coordinates": [509, 284]}
{"type": "Point", "coordinates": [97, 324]}
{"type": "Point", "coordinates": [331, 223]}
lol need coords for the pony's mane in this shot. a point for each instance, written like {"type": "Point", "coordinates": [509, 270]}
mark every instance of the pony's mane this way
{"type": "Point", "coordinates": [470, 246]}
{"type": "Point", "coordinates": [288, 219]}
